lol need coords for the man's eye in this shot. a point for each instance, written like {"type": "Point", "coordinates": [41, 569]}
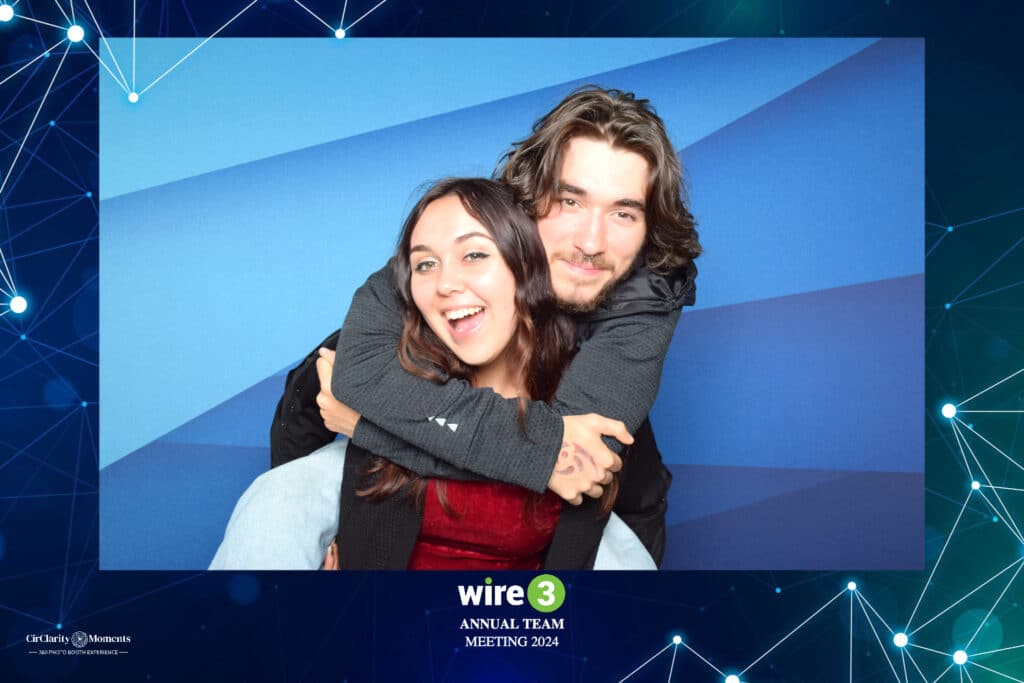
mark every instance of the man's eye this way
{"type": "Point", "coordinates": [569, 202]}
{"type": "Point", "coordinates": [623, 215]}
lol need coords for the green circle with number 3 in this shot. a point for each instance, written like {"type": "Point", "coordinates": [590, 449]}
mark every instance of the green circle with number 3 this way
{"type": "Point", "coordinates": [546, 593]}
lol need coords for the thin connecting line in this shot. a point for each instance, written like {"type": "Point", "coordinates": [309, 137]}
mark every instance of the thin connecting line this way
{"type": "Point", "coordinates": [911, 658]}
{"type": "Point", "coordinates": [193, 50]}
{"type": "Point", "coordinates": [903, 660]}
{"type": "Point", "coordinates": [958, 436]}
{"type": "Point", "coordinates": [117, 80]}
{"type": "Point", "coordinates": [964, 402]}
{"type": "Point", "coordinates": [701, 658]}
{"type": "Point", "coordinates": [647, 662]}
{"type": "Point", "coordinates": [928, 649]}
{"type": "Point", "coordinates": [365, 15]}
{"type": "Point", "coordinates": [997, 449]}
{"type": "Point", "coordinates": [1001, 488]}
{"type": "Point", "coordinates": [32, 125]}
{"type": "Point", "coordinates": [133, 43]}
{"type": "Point", "coordinates": [851, 636]}
{"type": "Point", "coordinates": [991, 291]}
{"type": "Point", "coordinates": [992, 609]}
{"type": "Point", "coordinates": [5, 274]}
{"type": "Point", "coordinates": [113, 57]}
{"type": "Point", "coordinates": [344, 8]}
{"type": "Point", "coordinates": [836, 597]}
{"type": "Point", "coordinates": [991, 411]}
{"type": "Point", "coordinates": [944, 672]}
{"type": "Point", "coordinates": [878, 638]}
{"type": "Point", "coordinates": [312, 14]}
{"type": "Point", "coordinates": [1002, 649]}
{"type": "Point", "coordinates": [1010, 523]}
{"type": "Point", "coordinates": [62, 10]}
{"type": "Point", "coordinates": [871, 607]}
{"type": "Point", "coordinates": [939, 560]}
{"type": "Point", "coordinates": [988, 218]}
{"type": "Point", "coordinates": [1006, 253]}
{"type": "Point", "coordinates": [672, 666]}
{"type": "Point", "coordinates": [44, 23]}
{"type": "Point", "coordinates": [997, 673]}
{"type": "Point", "coordinates": [36, 59]}
{"type": "Point", "coordinates": [990, 580]}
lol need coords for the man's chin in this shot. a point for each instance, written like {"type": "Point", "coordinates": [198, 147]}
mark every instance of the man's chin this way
{"type": "Point", "coordinates": [581, 300]}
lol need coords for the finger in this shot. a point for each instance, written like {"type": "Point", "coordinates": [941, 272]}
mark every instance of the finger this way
{"type": "Point", "coordinates": [607, 478]}
{"type": "Point", "coordinates": [323, 371]}
{"type": "Point", "coordinates": [327, 354]}
{"type": "Point", "coordinates": [595, 491]}
{"type": "Point", "coordinates": [576, 501]}
{"type": "Point", "coordinates": [616, 463]}
{"type": "Point", "coordinates": [617, 430]}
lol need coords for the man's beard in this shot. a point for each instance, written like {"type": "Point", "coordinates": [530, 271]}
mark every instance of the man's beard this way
{"type": "Point", "coordinates": [577, 307]}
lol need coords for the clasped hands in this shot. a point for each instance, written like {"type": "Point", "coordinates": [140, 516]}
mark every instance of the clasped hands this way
{"type": "Point", "coordinates": [584, 465]}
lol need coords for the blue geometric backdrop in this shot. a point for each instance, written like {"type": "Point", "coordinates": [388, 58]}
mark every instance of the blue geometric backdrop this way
{"type": "Point", "coordinates": [771, 626]}
{"type": "Point", "coordinates": [212, 283]}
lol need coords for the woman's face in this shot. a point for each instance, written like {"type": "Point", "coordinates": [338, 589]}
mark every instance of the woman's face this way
{"type": "Point", "coordinates": [460, 283]}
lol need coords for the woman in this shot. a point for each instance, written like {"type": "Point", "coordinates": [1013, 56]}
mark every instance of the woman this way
{"type": "Point", "coordinates": [477, 306]}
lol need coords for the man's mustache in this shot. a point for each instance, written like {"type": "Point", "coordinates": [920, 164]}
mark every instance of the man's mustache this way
{"type": "Point", "coordinates": [578, 258]}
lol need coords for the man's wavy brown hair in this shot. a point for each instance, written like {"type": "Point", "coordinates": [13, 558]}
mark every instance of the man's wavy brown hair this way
{"type": "Point", "coordinates": [543, 341]}
{"type": "Point", "coordinates": [531, 168]}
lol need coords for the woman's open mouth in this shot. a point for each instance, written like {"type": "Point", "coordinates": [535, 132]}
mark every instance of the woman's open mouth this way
{"type": "Point", "coordinates": [464, 321]}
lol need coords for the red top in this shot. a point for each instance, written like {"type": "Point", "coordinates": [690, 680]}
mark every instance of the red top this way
{"type": "Point", "coordinates": [488, 527]}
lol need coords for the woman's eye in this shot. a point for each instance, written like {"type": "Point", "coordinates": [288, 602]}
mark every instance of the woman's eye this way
{"type": "Point", "coordinates": [423, 266]}
{"type": "Point", "coordinates": [476, 256]}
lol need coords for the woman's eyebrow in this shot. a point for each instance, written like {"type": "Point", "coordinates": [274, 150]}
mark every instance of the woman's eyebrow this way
{"type": "Point", "coordinates": [465, 236]}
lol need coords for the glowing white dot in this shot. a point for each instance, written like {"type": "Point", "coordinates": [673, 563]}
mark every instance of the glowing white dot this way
{"type": "Point", "coordinates": [18, 304]}
{"type": "Point", "coordinates": [960, 657]}
{"type": "Point", "coordinates": [975, 485]}
{"type": "Point", "coordinates": [133, 97]}
{"type": "Point", "coordinates": [949, 411]}
{"type": "Point", "coordinates": [851, 586]}
{"type": "Point", "coordinates": [677, 640]}
{"type": "Point", "coordinates": [6, 12]}
{"type": "Point", "coordinates": [732, 678]}
{"type": "Point", "coordinates": [76, 33]}
{"type": "Point", "coordinates": [900, 640]}
{"type": "Point", "coordinates": [339, 34]}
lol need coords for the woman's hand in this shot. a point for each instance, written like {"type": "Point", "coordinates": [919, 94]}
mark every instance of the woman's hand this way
{"type": "Point", "coordinates": [585, 465]}
{"type": "Point", "coordinates": [331, 559]}
{"type": "Point", "coordinates": [337, 416]}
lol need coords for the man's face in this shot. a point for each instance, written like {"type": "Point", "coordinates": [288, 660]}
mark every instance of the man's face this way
{"type": "Point", "coordinates": [595, 225]}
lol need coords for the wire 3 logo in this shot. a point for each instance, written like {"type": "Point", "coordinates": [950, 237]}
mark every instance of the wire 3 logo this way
{"type": "Point", "coordinates": [545, 593]}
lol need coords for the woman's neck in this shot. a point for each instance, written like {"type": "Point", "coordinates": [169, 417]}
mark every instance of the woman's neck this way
{"type": "Point", "coordinates": [499, 377]}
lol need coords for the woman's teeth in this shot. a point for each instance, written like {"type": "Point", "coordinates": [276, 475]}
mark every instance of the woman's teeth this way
{"type": "Point", "coordinates": [463, 312]}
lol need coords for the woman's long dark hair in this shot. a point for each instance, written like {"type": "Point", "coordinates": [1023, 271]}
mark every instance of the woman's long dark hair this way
{"type": "Point", "coordinates": [543, 340]}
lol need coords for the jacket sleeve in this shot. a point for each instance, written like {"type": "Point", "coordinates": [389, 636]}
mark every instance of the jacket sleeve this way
{"type": "Point", "coordinates": [298, 429]}
{"type": "Point", "coordinates": [616, 374]}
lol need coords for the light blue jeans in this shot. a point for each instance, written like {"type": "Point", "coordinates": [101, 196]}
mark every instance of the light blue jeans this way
{"type": "Point", "coordinates": [289, 515]}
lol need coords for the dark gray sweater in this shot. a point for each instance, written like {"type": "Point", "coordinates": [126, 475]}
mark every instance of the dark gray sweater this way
{"type": "Point", "coordinates": [458, 428]}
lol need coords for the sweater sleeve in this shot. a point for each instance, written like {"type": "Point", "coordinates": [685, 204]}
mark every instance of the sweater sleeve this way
{"type": "Point", "coordinates": [616, 374]}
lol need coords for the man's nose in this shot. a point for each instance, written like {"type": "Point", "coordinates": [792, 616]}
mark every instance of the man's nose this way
{"type": "Point", "coordinates": [591, 235]}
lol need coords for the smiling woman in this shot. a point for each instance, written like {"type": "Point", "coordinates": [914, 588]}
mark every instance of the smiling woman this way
{"type": "Point", "coordinates": [477, 305]}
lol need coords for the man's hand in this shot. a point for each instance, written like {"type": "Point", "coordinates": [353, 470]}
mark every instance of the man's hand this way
{"type": "Point", "coordinates": [585, 465]}
{"type": "Point", "coordinates": [337, 416]}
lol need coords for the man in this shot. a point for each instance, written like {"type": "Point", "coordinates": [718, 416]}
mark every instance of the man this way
{"type": "Point", "coordinates": [603, 182]}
